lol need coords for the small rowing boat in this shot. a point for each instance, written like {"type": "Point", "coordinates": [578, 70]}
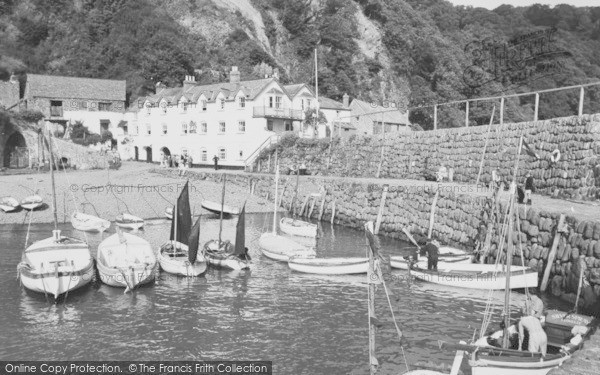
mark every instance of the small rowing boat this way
{"type": "Point", "coordinates": [330, 266]}
{"type": "Point", "coordinates": [32, 202]}
{"type": "Point", "coordinates": [216, 208]}
{"type": "Point", "coordinates": [128, 221]}
{"type": "Point", "coordinates": [8, 204]}
{"type": "Point", "coordinates": [476, 276]}
{"type": "Point", "coordinates": [447, 254]}
{"type": "Point", "coordinates": [125, 260]}
{"type": "Point", "coordinates": [282, 248]}
{"type": "Point", "coordinates": [297, 227]}
{"type": "Point", "coordinates": [89, 223]}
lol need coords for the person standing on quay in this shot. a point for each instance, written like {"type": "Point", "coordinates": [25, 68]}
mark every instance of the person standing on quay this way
{"type": "Point", "coordinates": [529, 188]}
{"type": "Point", "coordinates": [216, 160]}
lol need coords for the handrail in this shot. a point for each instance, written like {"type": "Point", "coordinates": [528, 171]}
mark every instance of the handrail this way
{"type": "Point", "coordinates": [250, 159]}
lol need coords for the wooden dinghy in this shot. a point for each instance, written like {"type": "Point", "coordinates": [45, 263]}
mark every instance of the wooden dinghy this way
{"type": "Point", "coordinates": [447, 254]}
{"type": "Point", "coordinates": [566, 334]}
{"type": "Point", "coordinates": [169, 213]}
{"type": "Point", "coordinates": [128, 221]}
{"type": "Point", "coordinates": [8, 204]}
{"type": "Point", "coordinates": [476, 276]}
{"type": "Point", "coordinates": [125, 260]}
{"type": "Point", "coordinates": [216, 208]}
{"type": "Point", "coordinates": [330, 266]}
{"type": "Point", "coordinates": [32, 202]}
{"type": "Point", "coordinates": [297, 227]}
{"type": "Point", "coordinates": [282, 248]}
{"type": "Point", "coordinates": [225, 255]}
{"type": "Point", "coordinates": [56, 265]}
{"type": "Point", "coordinates": [179, 256]}
{"type": "Point", "coordinates": [89, 223]}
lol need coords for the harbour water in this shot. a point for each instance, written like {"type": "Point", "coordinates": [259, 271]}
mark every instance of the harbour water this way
{"type": "Point", "coordinates": [305, 324]}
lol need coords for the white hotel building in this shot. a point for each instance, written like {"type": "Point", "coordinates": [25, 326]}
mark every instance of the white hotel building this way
{"type": "Point", "coordinates": [232, 120]}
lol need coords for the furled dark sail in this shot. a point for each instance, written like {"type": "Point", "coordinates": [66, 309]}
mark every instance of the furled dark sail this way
{"type": "Point", "coordinates": [194, 241]}
{"type": "Point", "coordinates": [182, 217]}
{"type": "Point", "coordinates": [240, 234]}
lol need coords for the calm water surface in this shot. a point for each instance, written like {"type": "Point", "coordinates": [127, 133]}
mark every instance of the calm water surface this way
{"type": "Point", "coordinates": [305, 324]}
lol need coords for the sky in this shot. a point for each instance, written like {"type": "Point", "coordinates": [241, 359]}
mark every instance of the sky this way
{"type": "Point", "coordinates": [492, 4]}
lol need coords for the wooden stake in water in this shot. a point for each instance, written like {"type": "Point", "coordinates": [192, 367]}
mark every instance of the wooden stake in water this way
{"type": "Point", "coordinates": [373, 363]}
{"type": "Point", "coordinates": [222, 206]}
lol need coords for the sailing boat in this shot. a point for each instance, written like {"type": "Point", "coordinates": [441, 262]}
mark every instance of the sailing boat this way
{"type": "Point", "coordinates": [492, 354]}
{"type": "Point", "coordinates": [278, 247]}
{"type": "Point", "coordinates": [126, 260]}
{"type": "Point", "coordinates": [223, 253]}
{"type": "Point", "coordinates": [292, 225]}
{"type": "Point", "coordinates": [58, 264]}
{"type": "Point", "coordinates": [179, 255]}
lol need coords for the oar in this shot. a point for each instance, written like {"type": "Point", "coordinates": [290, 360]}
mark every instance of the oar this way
{"type": "Point", "coordinates": [410, 237]}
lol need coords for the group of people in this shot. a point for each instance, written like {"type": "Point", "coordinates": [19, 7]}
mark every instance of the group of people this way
{"type": "Point", "coordinates": [523, 193]}
{"type": "Point", "coordinates": [431, 250]}
{"type": "Point", "coordinates": [182, 162]}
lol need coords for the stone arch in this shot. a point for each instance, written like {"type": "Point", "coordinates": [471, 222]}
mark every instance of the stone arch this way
{"type": "Point", "coordinates": [16, 153]}
{"type": "Point", "coordinates": [148, 154]}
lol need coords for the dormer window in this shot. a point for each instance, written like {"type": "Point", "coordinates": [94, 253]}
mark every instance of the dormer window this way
{"type": "Point", "coordinates": [241, 102]}
{"type": "Point", "coordinates": [184, 128]}
{"type": "Point", "coordinates": [184, 107]}
{"type": "Point", "coordinates": [222, 103]}
{"type": "Point", "coordinates": [270, 102]}
{"type": "Point", "coordinates": [164, 128]}
{"type": "Point", "coordinates": [222, 127]}
{"type": "Point", "coordinates": [204, 106]}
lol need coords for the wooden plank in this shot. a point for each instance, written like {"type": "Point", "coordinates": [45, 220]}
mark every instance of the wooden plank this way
{"type": "Point", "coordinates": [322, 208]}
{"type": "Point", "coordinates": [312, 206]}
{"type": "Point", "coordinates": [432, 215]}
{"type": "Point", "coordinates": [303, 208]}
{"type": "Point", "coordinates": [332, 210]}
{"type": "Point", "coordinates": [552, 253]}
{"type": "Point", "coordinates": [381, 208]}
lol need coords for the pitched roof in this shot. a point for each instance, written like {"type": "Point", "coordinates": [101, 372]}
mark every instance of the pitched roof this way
{"type": "Point", "coordinates": [294, 89]}
{"type": "Point", "coordinates": [331, 104]}
{"type": "Point", "coordinates": [9, 93]}
{"type": "Point", "coordinates": [74, 87]}
{"type": "Point", "coordinates": [375, 112]}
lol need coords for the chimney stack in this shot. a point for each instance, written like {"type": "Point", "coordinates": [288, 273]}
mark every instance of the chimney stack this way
{"type": "Point", "coordinates": [234, 75]}
{"type": "Point", "coordinates": [346, 101]}
{"type": "Point", "coordinates": [189, 81]}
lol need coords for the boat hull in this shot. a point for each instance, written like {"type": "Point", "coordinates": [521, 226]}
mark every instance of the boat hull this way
{"type": "Point", "coordinates": [57, 283]}
{"type": "Point", "coordinates": [221, 259]}
{"type": "Point", "coordinates": [282, 249]}
{"type": "Point", "coordinates": [444, 262]}
{"type": "Point", "coordinates": [32, 202]}
{"type": "Point", "coordinates": [9, 204]}
{"type": "Point", "coordinates": [495, 367]}
{"type": "Point", "coordinates": [7, 208]}
{"type": "Point", "coordinates": [31, 206]}
{"type": "Point", "coordinates": [125, 278]}
{"type": "Point", "coordinates": [298, 227]}
{"type": "Point", "coordinates": [216, 208]}
{"type": "Point", "coordinates": [134, 264]}
{"type": "Point", "coordinates": [89, 223]}
{"type": "Point", "coordinates": [180, 265]}
{"type": "Point", "coordinates": [477, 279]}
{"type": "Point", "coordinates": [330, 266]}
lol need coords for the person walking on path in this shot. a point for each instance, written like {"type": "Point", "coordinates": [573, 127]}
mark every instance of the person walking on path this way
{"type": "Point", "coordinates": [529, 188]}
{"type": "Point", "coordinates": [182, 164]}
{"type": "Point", "coordinates": [216, 160]}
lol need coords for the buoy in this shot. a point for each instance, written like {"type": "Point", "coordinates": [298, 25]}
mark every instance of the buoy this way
{"type": "Point", "coordinates": [555, 157]}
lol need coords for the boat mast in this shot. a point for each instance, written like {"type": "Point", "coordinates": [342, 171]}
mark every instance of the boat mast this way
{"type": "Point", "coordinates": [295, 192]}
{"type": "Point", "coordinates": [316, 92]}
{"type": "Point", "coordinates": [222, 207]}
{"type": "Point", "coordinates": [52, 179]}
{"type": "Point", "coordinates": [509, 249]}
{"type": "Point", "coordinates": [275, 204]}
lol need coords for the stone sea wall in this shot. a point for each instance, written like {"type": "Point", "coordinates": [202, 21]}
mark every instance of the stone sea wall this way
{"type": "Point", "coordinates": [460, 220]}
{"type": "Point", "coordinates": [419, 154]}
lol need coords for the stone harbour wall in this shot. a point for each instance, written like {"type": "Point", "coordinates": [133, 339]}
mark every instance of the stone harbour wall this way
{"type": "Point", "coordinates": [419, 154]}
{"type": "Point", "coordinates": [460, 220]}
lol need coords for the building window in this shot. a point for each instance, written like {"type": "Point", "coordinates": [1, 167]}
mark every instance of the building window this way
{"type": "Point", "coordinates": [184, 128]}
{"type": "Point", "coordinates": [148, 109]}
{"type": "Point", "coordinates": [241, 154]}
{"type": "Point", "coordinates": [278, 102]}
{"type": "Point", "coordinates": [203, 128]}
{"type": "Point", "coordinates": [148, 129]}
{"type": "Point", "coordinates": [193, 127]}
{"type": "Point", "coordinates": [302, 104]}
{"type": "Point", "coordinates": [308, 103]}
{"type": "Point", "coordinates": [288, 126]}
{"type": "Point", "coordinates": [56, 108]}
{"type": "Point", "coordinates": [242, 126]}
{"type": "Point", "coordinates": [222, 153]}
{"type": "Point", "coordinates": [164, 128]}
{"type": "Point", "coordinates": [104, 125]}
{"type": "Point", "coordinates": [222, 103]}
{"type": "Point", "coordinates": [104, 106]}
{"type": "Point", "coordinates": [242, 102]}
{"type": "Point", "coordinates": [83, 104]}
{"type": "Point", "coordinates": [222, 127]}
{"type": "Point", "coordinates": [270, 125]}
{"type": "Point", "coordinates": [270, 102]}
{"type": "Point", "coordinates": [204, 106]}
{"type": "Point", "coordinates": [203, 155]}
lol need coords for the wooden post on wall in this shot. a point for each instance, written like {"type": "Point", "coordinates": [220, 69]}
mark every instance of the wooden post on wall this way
{"type": "Point", "coordinates": [467, 114]}
{"type": "Point", "coordinates": [432, 215]}
{"type": "Point", "coordinates": [322, 208]}
{"type": "Point", "coordinates": [381, 208]}
{"type": "Point", "coordinates": [435, 117]}
{"type": "Point", "coordinates": [303, 208]}
{"type": "Point", "coordinates": [536, 106]}
{"type": "Point", "coordinates": [581, 96]}
{"type": "Point", "coordinates": [552, 253]}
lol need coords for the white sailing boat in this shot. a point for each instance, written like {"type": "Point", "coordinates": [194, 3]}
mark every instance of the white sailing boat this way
{"type": "Point", "coordinates": [125, 260]}
{"type": "Point", "coordinates": [180, 255]}
{"type": "Point", "coordinates": [58, 264]}
{"type": "Point", "coordinates": [278, 247]}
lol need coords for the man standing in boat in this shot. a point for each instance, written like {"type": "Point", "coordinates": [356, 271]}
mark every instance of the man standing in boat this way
{"type": "Point", "coordinates": [432, 249]}
{"type": "Point", "coordinates": [538, 340]}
